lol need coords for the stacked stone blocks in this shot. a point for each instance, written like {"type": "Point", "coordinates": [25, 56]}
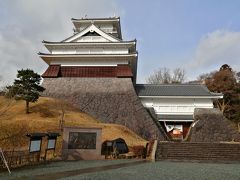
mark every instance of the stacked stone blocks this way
{"type": "Point", "coordinates": [111, 100]}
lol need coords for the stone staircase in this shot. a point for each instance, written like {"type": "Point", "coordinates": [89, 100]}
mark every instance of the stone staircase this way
{"type": "Point", "coordinates": [198, 151]}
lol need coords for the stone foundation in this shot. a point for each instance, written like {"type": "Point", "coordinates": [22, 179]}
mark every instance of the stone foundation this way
{"type": "Point", "coordinates": [111, 100]}
{"type": "Point", "coordinates": [212, 126]}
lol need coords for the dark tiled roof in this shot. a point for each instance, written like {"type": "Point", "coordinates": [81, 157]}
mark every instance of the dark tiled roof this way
{"type": "Point", "coordinates": [87, 71]}
{"type": "Point", "coordinates": [52, 71]}
{"type": "Point", "coordinates": [83, 19]}
{"type": "Point", "coordinates": [53, 134]}
{"type": "Point", "coordinates": [173, 90]}
{"type": "Point", "coordinates": [36, 135]}
{"type": "Point", "coordinates": [175, 117]}
{"type": "Point", "coordinates": [71, 71]}
{"type": "Point", "coordinates": [69, 43]}
{"type": "Point", "coordinates": [124, 71]}
{"type": "Point", "coordinates": [75, 55]}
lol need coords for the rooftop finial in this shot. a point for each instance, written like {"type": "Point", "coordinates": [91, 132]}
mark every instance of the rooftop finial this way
{"type": "Point", "coordinates": [85, 15]}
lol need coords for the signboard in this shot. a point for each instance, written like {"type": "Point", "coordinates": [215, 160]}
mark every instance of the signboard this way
{"type": "Point", "coordinates": [82, 140]}
{"type": "Point", "coordinates": [51, 143]}
{"type": "Point", "coordinates": [35, 145]}
{"type": "Point", "coordinates": [173, 127]}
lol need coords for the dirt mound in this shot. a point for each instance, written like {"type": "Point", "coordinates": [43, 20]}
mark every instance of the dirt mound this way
{"type": "Point", "coordinates": [45, 116]}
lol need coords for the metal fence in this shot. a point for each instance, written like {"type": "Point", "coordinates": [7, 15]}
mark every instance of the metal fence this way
{"type": "Point", "coordinates": [20, 158]}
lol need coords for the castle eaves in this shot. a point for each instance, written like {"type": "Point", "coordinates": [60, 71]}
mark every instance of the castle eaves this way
{"type": "Point", "coordinates": [96, 19]}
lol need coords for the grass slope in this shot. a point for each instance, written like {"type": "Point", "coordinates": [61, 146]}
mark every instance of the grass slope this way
{"type": "Point", "coordinates": [45, 115]}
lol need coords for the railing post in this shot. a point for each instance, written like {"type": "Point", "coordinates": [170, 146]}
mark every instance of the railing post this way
{"type": "Point", "coordinates": [4, 160]}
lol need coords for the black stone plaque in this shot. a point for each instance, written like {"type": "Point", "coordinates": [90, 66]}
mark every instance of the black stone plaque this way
{"type": "Point", "coordinates": [82, 140]}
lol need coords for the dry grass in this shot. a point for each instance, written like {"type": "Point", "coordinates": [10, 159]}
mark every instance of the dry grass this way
{"type": "Point", "coordinates": [45, 115]}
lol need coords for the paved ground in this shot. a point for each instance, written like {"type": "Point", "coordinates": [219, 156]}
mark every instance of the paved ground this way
{"type": "Point", "coordinates": [128, 170]}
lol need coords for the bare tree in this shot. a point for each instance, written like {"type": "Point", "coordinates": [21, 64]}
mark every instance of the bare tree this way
{"type": "Point", "coordinates": [222, 104]}
{"type": "Point", "coordinates": [1, 86]}
{"type": "Point", "coordinates": [238, 77]}
{"type": "Point", "coordinates": [62, 114]}
{"type": "Point", "coordinates": [63, 107]}
{"type": "Point", "coordinates": [205, 76]}
{"type": "Point", "coordinates": [166, 76]}
{"type": "Point", "coordinates": [178, 75]}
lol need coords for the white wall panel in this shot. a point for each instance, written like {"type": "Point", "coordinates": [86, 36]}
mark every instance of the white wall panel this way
{"type": "Point", "coordinates": [91, 39]}
{"type": "Point", "coordinates": [91, 51]}
{"type": "Point", "coordinates": [176, 105]}
{"type": "Point", "coordinates": [89, 62]}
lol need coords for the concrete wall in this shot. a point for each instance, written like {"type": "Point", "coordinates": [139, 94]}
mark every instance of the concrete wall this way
{"type": "Point", "coordinates": [82, 154]}
{"type": "Point", "coordinates": [111, 100]}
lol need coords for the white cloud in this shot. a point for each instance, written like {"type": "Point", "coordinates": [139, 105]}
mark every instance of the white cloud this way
{"type": "Point", "coordinates": [217, 48]}
{"type": "Point", "coordinates": [25, 23]}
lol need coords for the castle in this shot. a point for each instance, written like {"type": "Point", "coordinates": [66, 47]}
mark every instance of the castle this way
{"type": "Point", "coordinates": [95, 70]}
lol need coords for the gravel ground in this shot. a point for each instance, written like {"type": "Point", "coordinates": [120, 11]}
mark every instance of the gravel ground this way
{"type": "Point", "coordinates": [59, 167]}
{"type": "Point", "coordinates": [147, 171]}
{"type": "Point", "coordinates": [168, 171]}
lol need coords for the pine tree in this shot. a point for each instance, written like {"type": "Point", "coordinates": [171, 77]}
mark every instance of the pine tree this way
{"type": "Point", "coordinates": [26, 87]}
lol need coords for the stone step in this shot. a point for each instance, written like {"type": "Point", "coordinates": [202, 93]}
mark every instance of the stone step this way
{"type": "Point", "coordinates": [202, 152]}
{"type": "Point", "coordinates": [199, 155]}
{"type": "Point", "coordinates": [188, 146]}
{"type": "Point", "coordinates": [202, 156]}
{"type": "Point", "coordinates": [199, 151]}
{"type": "Point", "coordinates": [200, 159]}
{"type": "Point", "coordinates": [200, 144]}
{"type": "Point", "coordinates": [202, 147]}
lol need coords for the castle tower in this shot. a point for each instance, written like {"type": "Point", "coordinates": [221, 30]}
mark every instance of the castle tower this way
{"type": "Point", "coordinates": [96, 49]}
{"type": "Point", "coordinates": [95, 70]}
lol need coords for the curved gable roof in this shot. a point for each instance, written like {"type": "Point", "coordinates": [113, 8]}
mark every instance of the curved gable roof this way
{"type": "Point", "coordinates": [92, 28]}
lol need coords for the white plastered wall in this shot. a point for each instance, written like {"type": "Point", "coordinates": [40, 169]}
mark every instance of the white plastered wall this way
{"type": "Point", "coordinates": [91, 51]}
{"type": "Point", "coordinates": [174, 106]}
{"type": "Point", "coordinates": [89, 62]}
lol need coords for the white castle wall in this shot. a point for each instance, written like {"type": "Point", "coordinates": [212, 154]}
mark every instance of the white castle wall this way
{"type": "Point", "coordinates": [91, 51]}
{"type": "Point", "coordinates": [173, 106]}
{"type": "Point", "coordinates": [89, 62]}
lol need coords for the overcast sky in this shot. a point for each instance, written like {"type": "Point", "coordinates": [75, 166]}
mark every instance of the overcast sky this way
{"type": "Point", "coordinates": [197, 35]}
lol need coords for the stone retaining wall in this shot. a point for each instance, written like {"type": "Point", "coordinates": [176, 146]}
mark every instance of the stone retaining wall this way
{"type": "Point", "coordinates": [111, 100]}
{"type": "Point", "coordinates": [212, 126]}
